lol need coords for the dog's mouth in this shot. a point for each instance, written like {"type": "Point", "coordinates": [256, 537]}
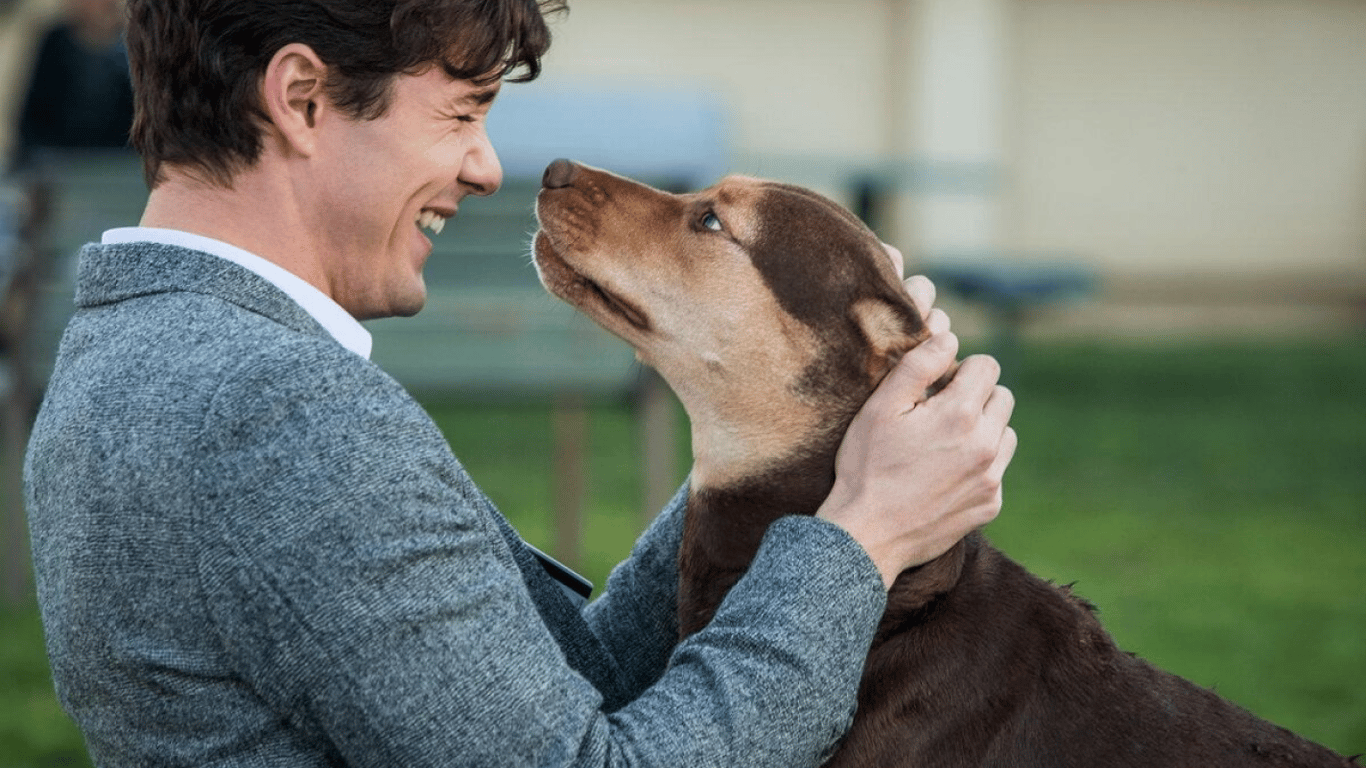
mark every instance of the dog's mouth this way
{"type": "Point", "coordinates": [562, 279]}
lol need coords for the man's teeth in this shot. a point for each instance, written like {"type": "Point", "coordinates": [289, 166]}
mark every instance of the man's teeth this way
{"type": "Point", "coordinates": [431, 220]}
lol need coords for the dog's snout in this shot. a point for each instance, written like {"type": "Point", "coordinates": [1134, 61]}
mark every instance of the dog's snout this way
{"type": "Point", "coordinates": [559, 173]}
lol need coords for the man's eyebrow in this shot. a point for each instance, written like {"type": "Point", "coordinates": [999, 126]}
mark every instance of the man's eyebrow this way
{"type": "Point", "coordinates": [480, 97]}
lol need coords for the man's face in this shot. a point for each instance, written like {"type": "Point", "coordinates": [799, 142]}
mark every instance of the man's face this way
{"type": "Point", "coordinates": [381, 182]}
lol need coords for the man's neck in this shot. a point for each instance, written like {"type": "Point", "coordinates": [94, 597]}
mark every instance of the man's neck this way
{"type": "Point", "coordinates": [257, 214]}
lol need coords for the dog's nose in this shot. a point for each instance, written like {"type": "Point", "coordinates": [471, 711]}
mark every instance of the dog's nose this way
{"type": "Point", "coordinates": [559, 174]}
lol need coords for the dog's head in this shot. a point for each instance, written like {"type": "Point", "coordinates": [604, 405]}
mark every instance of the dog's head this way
{"type": "Point", "coordinates": [771, 311]}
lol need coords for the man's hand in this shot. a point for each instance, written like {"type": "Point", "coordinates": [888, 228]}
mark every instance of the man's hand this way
{"type": "Point", "coordinates": [913, 476]}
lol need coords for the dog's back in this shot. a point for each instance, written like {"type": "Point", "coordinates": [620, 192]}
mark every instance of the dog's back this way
{"type": "Point", "coordinates": [1005, 669]}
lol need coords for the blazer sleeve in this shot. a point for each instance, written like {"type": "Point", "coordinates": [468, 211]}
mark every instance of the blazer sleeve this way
{"type": "Point", "coordinates": [364, 596]}
{"type": "Point", "coordinates": [636, 617]}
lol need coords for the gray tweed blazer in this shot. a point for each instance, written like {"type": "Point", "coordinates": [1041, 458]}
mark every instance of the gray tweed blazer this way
{"type": "Point", "coordinates": [253, 548]}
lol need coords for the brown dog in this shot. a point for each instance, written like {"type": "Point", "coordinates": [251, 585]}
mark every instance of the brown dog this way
{"type": "Point", "coordinates": [773, 313]}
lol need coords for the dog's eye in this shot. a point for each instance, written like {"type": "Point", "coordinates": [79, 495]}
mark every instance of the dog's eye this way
{"type": "Point", "coordinates": [712, 221]}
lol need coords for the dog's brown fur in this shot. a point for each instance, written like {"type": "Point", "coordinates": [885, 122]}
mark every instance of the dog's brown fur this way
{"type": "Point", "coordinates": [773, 329]}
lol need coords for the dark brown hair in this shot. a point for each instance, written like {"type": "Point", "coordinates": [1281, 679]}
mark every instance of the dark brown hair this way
{"type": "Point", "coordinates": [197, 64]}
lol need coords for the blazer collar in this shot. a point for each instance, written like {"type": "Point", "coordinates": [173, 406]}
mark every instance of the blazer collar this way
{"type": "Point", "coordinates": [107, 274]}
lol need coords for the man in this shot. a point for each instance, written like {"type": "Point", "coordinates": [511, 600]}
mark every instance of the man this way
{"type": "Point", "coordinates": [78, 94]}
{"type": "Point", "coordinates": [253, 548]}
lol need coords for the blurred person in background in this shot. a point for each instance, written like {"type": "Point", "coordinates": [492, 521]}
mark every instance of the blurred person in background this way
{"type": "Point", "coordinates": [253, 547]}
{"type": "Point", "coordinates": [79, 94]}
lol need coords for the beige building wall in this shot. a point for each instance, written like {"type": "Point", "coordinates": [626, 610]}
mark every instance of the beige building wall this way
{"type": "Point", "coordinates": [1193, 138]}
{"type": "Point", "coordinates": [1161, 139]}
{"type": "Point", "coordinates": [805, 80]}
{"type": "Point", "coordinates": [1168, 141]}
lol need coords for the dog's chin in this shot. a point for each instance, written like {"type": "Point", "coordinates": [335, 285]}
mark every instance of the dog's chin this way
{"type": "Point", "coordinates": [607, 309]}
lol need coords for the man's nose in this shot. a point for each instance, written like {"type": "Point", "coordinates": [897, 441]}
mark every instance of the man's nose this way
{"type": "Point", "coordinates": [482, 173]}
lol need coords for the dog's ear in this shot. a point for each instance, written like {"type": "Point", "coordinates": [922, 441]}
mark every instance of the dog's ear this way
{"type": "Point", "coordinates": [890, 330]}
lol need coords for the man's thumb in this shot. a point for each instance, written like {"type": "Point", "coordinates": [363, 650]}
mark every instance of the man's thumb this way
{"type": "Point", "coordinates": [921, 367]}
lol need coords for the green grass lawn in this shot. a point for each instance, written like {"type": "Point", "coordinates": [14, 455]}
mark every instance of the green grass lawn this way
{"type": "Point", "coordinates": [1210, 498]}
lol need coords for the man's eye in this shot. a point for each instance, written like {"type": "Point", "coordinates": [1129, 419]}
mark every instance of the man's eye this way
{"type": "Point", "coordinates": [712, 222]}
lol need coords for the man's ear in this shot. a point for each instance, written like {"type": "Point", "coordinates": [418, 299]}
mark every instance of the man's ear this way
{"type": "Point", "coordinates": [292, 95]}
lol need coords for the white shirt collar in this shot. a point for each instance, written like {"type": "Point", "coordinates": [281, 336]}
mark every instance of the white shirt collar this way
{"type": "Point", "coordinates": [329, 314]}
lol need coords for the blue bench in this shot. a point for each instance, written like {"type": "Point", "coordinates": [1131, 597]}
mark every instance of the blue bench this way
{"type": "Point", "coordinates": [1010, 287]}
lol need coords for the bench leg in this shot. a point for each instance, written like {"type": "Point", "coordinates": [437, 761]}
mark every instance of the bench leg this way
{"type": "Point", "coordinates": [570, 426]}
{"type": "Point", "coordinates": [659, 454]}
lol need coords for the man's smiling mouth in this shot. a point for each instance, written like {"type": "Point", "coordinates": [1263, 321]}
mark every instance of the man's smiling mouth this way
{"type": "Point", "coordinates": [432, 220]}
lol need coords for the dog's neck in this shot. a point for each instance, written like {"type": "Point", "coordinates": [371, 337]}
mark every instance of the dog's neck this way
{"type": "Point", "coordinates": [744, 437]}
{"type": "Point", "coordinates": [725, 524]}
{"type": "Point", "coordinates": [740, 486]}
